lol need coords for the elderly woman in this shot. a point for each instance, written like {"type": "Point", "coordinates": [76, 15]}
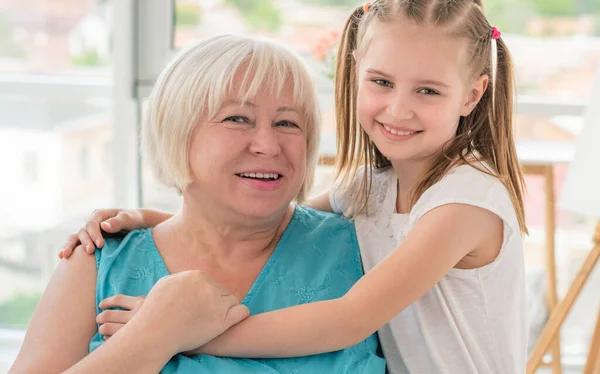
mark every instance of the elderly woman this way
{"type": "Point", "coordinates": [233, 124]}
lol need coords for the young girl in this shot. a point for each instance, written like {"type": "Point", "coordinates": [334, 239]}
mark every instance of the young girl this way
{"type": "Point", "coordinates": [427, 167]}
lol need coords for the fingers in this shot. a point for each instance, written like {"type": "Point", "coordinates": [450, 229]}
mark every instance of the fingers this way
{"type": "Point", "coordinates": [92, 231]}
{"type": "Point", "coordinates": [85, 240]}
{"type": "Point", "coordinates": [110, 220]}
{"type": "Point", "coordinates": [111, 225]}
{"type": "Point", "coordinates": [122, 301]}
{"type": "Point", "coordinates": [236, 314]}
{"type": "Point", "coordinates": [100, 215]}
{"type": "Point", "coordinates": [66, 253]}
{"type": "Point", "coordinates": [67, 249]}
{"type": "Point", "coordinates": [114, 316]}
{"type": "Point", "coordinates": [109, 329]}
{"type": "Point", "coordinates": [123, 221]}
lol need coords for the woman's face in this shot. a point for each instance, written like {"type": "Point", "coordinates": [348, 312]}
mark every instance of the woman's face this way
{"type": "Point", "coordinates": [251, 157]}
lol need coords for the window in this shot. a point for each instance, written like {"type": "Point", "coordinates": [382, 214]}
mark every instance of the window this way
{"type": "Point", "coordinates": [55, 113]}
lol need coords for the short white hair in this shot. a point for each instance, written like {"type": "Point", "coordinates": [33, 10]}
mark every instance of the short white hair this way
{"type": "Point", "coordinates": [194, 85]}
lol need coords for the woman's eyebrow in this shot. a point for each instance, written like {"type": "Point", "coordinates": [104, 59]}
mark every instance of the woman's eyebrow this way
{"type": "Point", "coordinates": [286, 109]}
{"type": "Point", "coordinates": [239, 103]}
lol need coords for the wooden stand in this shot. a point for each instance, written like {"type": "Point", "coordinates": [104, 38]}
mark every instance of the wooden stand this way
{"type": "Point", "coordinates": [562, 310]}
{"type": "Point", "coordinates": [546, 170]}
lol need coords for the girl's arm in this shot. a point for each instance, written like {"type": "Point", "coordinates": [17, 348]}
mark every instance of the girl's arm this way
{"type": "Point", "coordinates": [320, 202]}
{"type": "Point", "coordinates": [64, 322]}
{"type": "Point", "coordinates": [438, 241]}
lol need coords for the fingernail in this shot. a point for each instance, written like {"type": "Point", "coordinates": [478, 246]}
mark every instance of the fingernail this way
{"type": "Point", "coordinates": [89, 247]}
{"type": "Point", "coordinates": [98, 244]}
{"type": "Point", "coordinates": [107, 225]}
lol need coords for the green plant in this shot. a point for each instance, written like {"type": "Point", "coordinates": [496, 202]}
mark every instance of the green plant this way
{"type": "Point", "coordinates": [187, 14]}
{"type": "Point", "coordinates": [509, 16]}
{"type": "Point", "coordinates": [259, 14]}
{"type": "Point", "coordinates": [90, 57]}
{"type": "Point", "coordinates": [555, 8]}
{"type": "Point", "coordinates": [18, 310]}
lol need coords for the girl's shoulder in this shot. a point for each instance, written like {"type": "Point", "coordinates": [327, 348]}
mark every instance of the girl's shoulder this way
{"type": "Point", "coordinates": [472, 185]}
{"type": "Point", "coordinates": [343, 195]}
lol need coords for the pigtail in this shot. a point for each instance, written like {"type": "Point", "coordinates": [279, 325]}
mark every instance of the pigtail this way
{"type": "Point", "coordinates": [352, 141]}
{"type": "Point", "coordinates": [502, 111]}
{"type": "Point", "coordinates": [346, 87]}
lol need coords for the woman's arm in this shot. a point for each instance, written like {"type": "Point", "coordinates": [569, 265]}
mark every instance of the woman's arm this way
{"type": "Point", "coordinates": [133, 350]}
{"type": "Point", "coordinates": [438, 241]}
{"type": "Point", "coordinates": [64, 322]}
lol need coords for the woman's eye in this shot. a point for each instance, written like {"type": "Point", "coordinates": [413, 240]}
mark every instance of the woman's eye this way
{"type": "Point", "coordinates": [286, 124]}
{"type": "Point", "coordinates": [382, 82]}
{"type": "Point", "coordinates": [428, 91]}
{"type": "Point", "coordinates": [236, 119]}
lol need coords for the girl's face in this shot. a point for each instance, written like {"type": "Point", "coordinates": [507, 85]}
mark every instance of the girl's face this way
{"type": "Point", "coordinates": [414, 84]}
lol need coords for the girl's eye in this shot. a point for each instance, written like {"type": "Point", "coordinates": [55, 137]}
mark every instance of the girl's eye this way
{"type": "Point", "coordinates": [382, 82]}
{"type": "Point", "coordinates": [236, 119]}
{"type": "Point", "coordinates": [428, 91]}
{"type": "Point", "coordinates": [286, 124]}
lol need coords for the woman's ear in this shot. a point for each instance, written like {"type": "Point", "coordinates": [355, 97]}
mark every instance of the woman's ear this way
{"type": "Point", "coordinates": [476, 91]}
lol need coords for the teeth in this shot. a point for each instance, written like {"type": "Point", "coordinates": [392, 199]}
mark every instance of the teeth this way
{"type": "Point", "coordinates": [261, 175]}
{"type": "Point", "coordinates": [401, 133]}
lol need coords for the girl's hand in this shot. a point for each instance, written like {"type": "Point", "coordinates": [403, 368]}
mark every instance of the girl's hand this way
{"type": "Point", "coordinates": [111, 321]}
{"type": "Point", "coordinates": [111, 221]}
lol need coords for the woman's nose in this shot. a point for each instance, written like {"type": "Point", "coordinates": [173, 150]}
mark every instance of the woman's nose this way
{"type": "Point", "coordinates": [265, 141]}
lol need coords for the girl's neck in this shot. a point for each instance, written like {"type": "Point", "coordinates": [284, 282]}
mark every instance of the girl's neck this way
{"type": "Point", "coordinates": [408, 173]}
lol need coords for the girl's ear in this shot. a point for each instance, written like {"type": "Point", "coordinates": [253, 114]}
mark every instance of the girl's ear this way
{"type": "Point", "coordinates": [475, 93]}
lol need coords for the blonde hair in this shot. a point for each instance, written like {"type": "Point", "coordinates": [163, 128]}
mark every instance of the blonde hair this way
{"type": "Point", "coordinates": [194, 85]}
{"type": "Point", "coordinates": [486, 134]}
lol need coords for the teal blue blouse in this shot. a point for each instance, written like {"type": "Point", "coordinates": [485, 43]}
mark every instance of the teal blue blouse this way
{"type": "Point", "coordinates": [316, 259]}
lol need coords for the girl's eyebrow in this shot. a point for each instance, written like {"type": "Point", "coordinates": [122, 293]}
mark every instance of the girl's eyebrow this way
{"type": "Point", "coordinates": [421, 81]}
{"type": "Point", "coordinates": [432, 83]}
{"type": "Point", "coordinates": [379, 72]}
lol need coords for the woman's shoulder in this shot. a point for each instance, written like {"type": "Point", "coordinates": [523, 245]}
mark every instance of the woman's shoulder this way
{"type": "Point", "coordinates": [125, 247]}
{"type": "Point", "coordinates": [313, 219]}
{"type": "Point", "coordinates": [311, 225]}
{"type": "Point", "coordinates": [130, 239]}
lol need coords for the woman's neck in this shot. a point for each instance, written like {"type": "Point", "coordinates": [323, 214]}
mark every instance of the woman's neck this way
{"type": "Point", "coordinates": [231, 253]}
{"type": "Point", "coordinates": [230, 239]}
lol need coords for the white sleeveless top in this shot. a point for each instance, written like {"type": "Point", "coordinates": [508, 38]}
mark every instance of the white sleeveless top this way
{"type": "Point", "coordinates": [472, 321]}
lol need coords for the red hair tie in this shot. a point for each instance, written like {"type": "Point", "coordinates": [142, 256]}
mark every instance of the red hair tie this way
{"type": "Point", "coordinates": [495, 33]}
{"type": "Point", "coordinates": [366, 7]}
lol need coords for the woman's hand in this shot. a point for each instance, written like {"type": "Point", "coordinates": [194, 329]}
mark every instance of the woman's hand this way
{"type": "Point", "coordinates": [110, 220]}
{"type": "Point", "coordinates": [186, 309]}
